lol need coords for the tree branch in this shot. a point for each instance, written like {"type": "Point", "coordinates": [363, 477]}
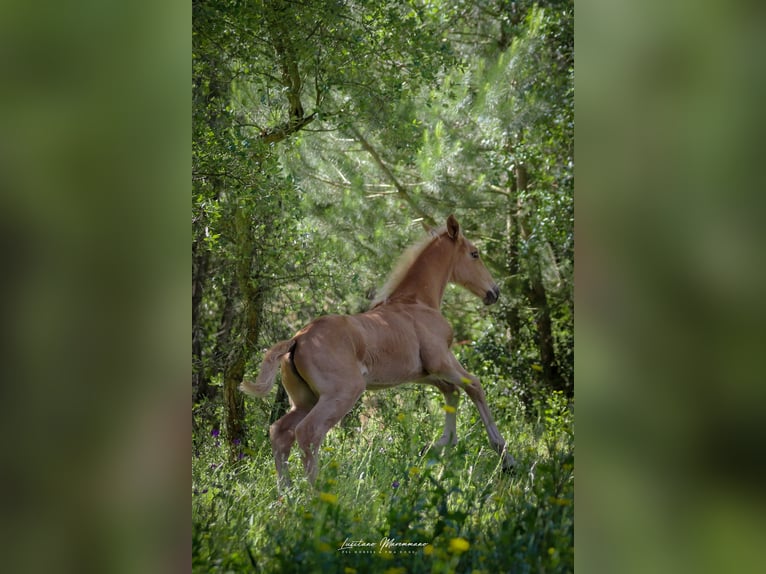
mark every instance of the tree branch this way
{"type": "Point", "coordinates": [401, 190]}
{"type": "Point", "coordinates": [283, 131]}
{"type": "Point", "coordinates": [291, 79]}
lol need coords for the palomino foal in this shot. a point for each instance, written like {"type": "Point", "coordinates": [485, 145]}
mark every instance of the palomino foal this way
{"type": "Point", "coordinates": [403, 338]}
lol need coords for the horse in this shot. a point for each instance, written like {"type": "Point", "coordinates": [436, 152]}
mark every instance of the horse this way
{"type": "Point", "coordinates": [402, 338]}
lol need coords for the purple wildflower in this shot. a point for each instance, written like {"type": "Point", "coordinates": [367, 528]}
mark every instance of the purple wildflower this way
{"type": "Point", "coordinates": [395, 484]}
{"type": "Point", "coordinates": [236, 442]}
{"type": "Point", "coordinates": [215, 432]}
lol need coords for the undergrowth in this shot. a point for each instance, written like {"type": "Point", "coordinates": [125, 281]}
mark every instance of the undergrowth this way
{"type": "Point", "coordinates": [378, 506]}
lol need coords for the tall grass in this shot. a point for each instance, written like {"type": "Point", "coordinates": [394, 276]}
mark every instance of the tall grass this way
{"type": "Point", "coordinates": [394, 510]}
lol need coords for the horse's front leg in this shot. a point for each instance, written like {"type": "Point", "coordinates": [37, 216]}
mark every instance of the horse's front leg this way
{"type": "Point", "coordinates": [451, 402]}
{"type": "Point", "coordinates": [474, 390]}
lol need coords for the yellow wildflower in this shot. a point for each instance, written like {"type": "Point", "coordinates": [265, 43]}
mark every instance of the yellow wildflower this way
{"type": "Point", "coordinates": [349, 570]}
{"type": "Point", "coordinates": [400, 417]}
{"type": "Point", "coordinates": [385, 552]}
{"type": "Point", "coordinates": [398, 570]}
{"type": "Point", "coordinates": [449, 409]}
{"type": "Point", "coordinates": [428, 549]}
{"type": "Point", "coordinates": [328, 497]}
{"type": "Point", "coordinates": [324, 547]}
{"type": "Point", "coordinates": [465, 380]}
{"type": "Point", "coordinates": [414, 471]}
{"type": "Point", "coordinates": [459, 545]}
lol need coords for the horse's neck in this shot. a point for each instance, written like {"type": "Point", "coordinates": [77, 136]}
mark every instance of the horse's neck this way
{"type": "Point", "coordinates": [428, 275]}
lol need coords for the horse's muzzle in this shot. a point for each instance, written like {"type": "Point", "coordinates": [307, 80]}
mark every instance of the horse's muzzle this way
{"type": "Point", "coordinates": [492, 295]}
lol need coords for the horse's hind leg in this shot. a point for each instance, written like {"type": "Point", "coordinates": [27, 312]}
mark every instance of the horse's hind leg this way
{"type": "Point", "coordinates": [328, 411]}
{"type": "Point", "coordinates": [282, 432]}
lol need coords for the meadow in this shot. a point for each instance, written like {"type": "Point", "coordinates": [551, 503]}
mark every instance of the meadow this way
{"type": "Point", "coordinates": [379, 506]}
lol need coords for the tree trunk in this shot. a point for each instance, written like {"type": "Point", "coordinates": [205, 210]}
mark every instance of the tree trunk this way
{"type": "Point", "coordinates": [235, 365]}
{"type": "Point", "coordinates": [223, 339]}
{"type": "Point", "coordinates": [234, 373]}
{"type": "Point", "coordinates": [215, 362]}
{"type": "Point", "coordinates": [534, 290]}
{"type": "Point", "coordinates": [544, 335]}
{"type": "Point", "coordinates": [234, 402]}
{"type": "Point", "coordinates": [200, 380]}
{"type": "Point", "coordinates": [512, 317]}
{"type": "Point", "coordinates": [216, 91]}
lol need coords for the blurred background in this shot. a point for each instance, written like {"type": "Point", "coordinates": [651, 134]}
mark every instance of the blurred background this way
{"type": "Point", "coordinates": [669, 279]}
{"type": "Point", "coordinates": [95, 126]}
{"type": "Point", "coordinates": [94, 171]}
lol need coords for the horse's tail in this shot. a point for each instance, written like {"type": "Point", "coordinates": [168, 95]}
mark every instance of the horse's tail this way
{"type": "Point", "coordinates": [265, 379]}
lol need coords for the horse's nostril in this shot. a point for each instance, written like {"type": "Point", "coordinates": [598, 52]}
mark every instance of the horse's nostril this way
{"type": "Point", "coordinates": [492, 295]}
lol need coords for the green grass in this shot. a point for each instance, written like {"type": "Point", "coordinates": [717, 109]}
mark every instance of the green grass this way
{"type": "Point", "coordinates": [459, 510]}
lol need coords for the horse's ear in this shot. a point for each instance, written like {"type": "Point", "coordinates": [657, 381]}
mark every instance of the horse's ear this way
{"type": "Point", "coordinates": [453, 227]}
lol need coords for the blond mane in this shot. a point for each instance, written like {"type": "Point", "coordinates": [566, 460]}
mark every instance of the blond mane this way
{"type": "Point", "coordinates": [403, 265]}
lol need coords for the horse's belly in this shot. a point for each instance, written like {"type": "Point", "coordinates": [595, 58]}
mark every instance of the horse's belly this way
{"type": "Point", "coordinates": [379, 377]}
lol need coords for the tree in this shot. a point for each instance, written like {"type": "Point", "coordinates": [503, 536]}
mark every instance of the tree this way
{"type": "Point", "coordinates": [508, 124]}
{"type": "Point", "coordinates": [257, 69]}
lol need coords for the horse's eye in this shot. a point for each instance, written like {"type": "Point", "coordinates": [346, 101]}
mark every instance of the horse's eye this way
{"type": "Point", "coordinates": [475, 254]}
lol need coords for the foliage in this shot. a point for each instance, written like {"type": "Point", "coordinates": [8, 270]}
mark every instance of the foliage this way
{"type": "Point", "coordinates": [467, 514]}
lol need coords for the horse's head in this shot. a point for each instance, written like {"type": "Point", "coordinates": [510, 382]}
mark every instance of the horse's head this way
{"type": "Point", "coordinates": [469, 270]}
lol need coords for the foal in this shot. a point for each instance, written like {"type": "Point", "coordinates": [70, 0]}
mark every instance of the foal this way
{"type": "Point", "coordinates": [403, 338]}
